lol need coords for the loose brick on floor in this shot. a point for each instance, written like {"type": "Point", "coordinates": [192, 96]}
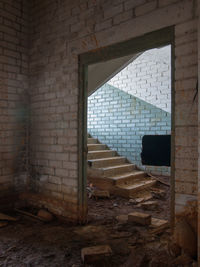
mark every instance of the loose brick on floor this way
{"type": "Point", "coordinates": [93, 254]}
{"type": "Point", "coordinates": [140, 218]}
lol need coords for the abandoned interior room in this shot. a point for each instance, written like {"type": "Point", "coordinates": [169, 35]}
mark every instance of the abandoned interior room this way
{"type": "Point", "coordinates": [99, 133]}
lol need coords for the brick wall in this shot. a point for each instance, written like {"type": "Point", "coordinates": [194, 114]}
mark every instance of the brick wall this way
{"type": "Point", "coordinates": [148, 77]}
{"type": "Point", "coordinates": [120, 120]}
{"type": "Point", "coordinates": [14, 22]}
{"type": "Point", "coordinates": [61, 30]}
{"type": "Point", "coordinates": [139, 104]}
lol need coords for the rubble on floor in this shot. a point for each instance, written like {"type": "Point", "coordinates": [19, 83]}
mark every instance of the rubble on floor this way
{"type": "Point", "coordinates": [32, 243]}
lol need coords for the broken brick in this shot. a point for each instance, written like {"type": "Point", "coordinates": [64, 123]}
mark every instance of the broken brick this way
{"type": "Point", "coordinates": [158, 225]}
{"type": "Point", "coordinates": [149, 205]}
{"type": "Point", "coordinates": [140, 218]}
{"type": "Point", "coordinates": [92, 254]}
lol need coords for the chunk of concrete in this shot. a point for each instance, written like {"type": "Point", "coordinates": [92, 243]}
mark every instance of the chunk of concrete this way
{"type": "Point", "coordinates": [155, 222]}
{"type": "Point", "coordinates": [140, 218]}
{"type": "Point", "coordinates": [149, 205]}
{"type": "Point", "coordinates": [158, 225]}
{"type": "Point", "coordinates": [97, 253]}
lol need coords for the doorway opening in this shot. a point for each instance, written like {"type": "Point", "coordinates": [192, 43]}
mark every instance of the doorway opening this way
{"type": "Point", "coordinates": [128, 104]}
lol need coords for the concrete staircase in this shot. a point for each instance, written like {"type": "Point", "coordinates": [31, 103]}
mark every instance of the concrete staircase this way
{"type": "Point", "coordinates": [109, 171]}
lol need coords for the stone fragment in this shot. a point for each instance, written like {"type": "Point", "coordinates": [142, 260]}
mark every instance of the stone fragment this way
{"type": "Point", "coordinates": [140, 218]}
{"type": "Point", "coordinates": [149, 205]}
{"type": "Point", "coordinates": [97, 253]}
{"type": "Point", "coordinates": [45, 215]}
{"type": "Point", "coordinates": [158, 225]}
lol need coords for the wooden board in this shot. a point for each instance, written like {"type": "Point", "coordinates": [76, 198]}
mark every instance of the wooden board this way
{"type": "Point", "coordinates": [4, 217]}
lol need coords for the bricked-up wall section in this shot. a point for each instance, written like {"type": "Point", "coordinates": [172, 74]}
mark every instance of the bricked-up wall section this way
{"type": "Point", "coordinates": [61, 30]}
{"type": "Point", "coordinates": [14, 26]}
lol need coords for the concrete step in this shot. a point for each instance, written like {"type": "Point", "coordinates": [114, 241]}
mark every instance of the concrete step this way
{"type": "Point", "coordinates": [101, 154]}
{"type": "Point", "coordinates": [106, 162]}
{"type": "Point", "coordinates": [128, 178]}
{"type": "Point", "coordinates": [118, 169]}
{"type": "Point", "coordinates": [92, 141]}
{"type": "Point", "coordinates": [95, 147]}
{"type": "Point", "coordinates": [128, 191]}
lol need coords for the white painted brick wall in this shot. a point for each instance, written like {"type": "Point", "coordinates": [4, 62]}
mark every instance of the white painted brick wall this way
{"type": "Point", "coordinates": [120, 121]}
{"type": "Point", "coordinates": [148, 77]}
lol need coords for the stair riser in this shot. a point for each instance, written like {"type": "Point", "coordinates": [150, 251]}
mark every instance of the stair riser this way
{"type": "Point", "coordinates": [119, 170]}
{"type": "Point", "coordinates": [130, 193]}
{"type": "Point", "coordinates": [101, 183]}
{"type": "Point", "coordinates": [130, 179]}
{"type": "Point", "coordinates": [106, 163]}
{"type": "Point", "coordinates": [96, 147]}
{"type": "Point", "coordinates": [101, 155]}
{"type": "Point", "coordinates": [92, 141]}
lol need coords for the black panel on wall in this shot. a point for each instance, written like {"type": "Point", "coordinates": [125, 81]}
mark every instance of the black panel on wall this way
{"type": "Point", "coordinates": [156, 150]}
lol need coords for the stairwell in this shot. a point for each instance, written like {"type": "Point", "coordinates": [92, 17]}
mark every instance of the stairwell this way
{"type": "Point", "coordinates": [109, 171]}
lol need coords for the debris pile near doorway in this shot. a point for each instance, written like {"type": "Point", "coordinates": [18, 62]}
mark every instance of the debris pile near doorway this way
{"type": "Point", "coordinates": [33, 242]}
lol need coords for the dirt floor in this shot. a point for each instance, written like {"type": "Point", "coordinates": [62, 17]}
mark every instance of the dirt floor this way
{"type": "Point", "coordinates": [28, 243]}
